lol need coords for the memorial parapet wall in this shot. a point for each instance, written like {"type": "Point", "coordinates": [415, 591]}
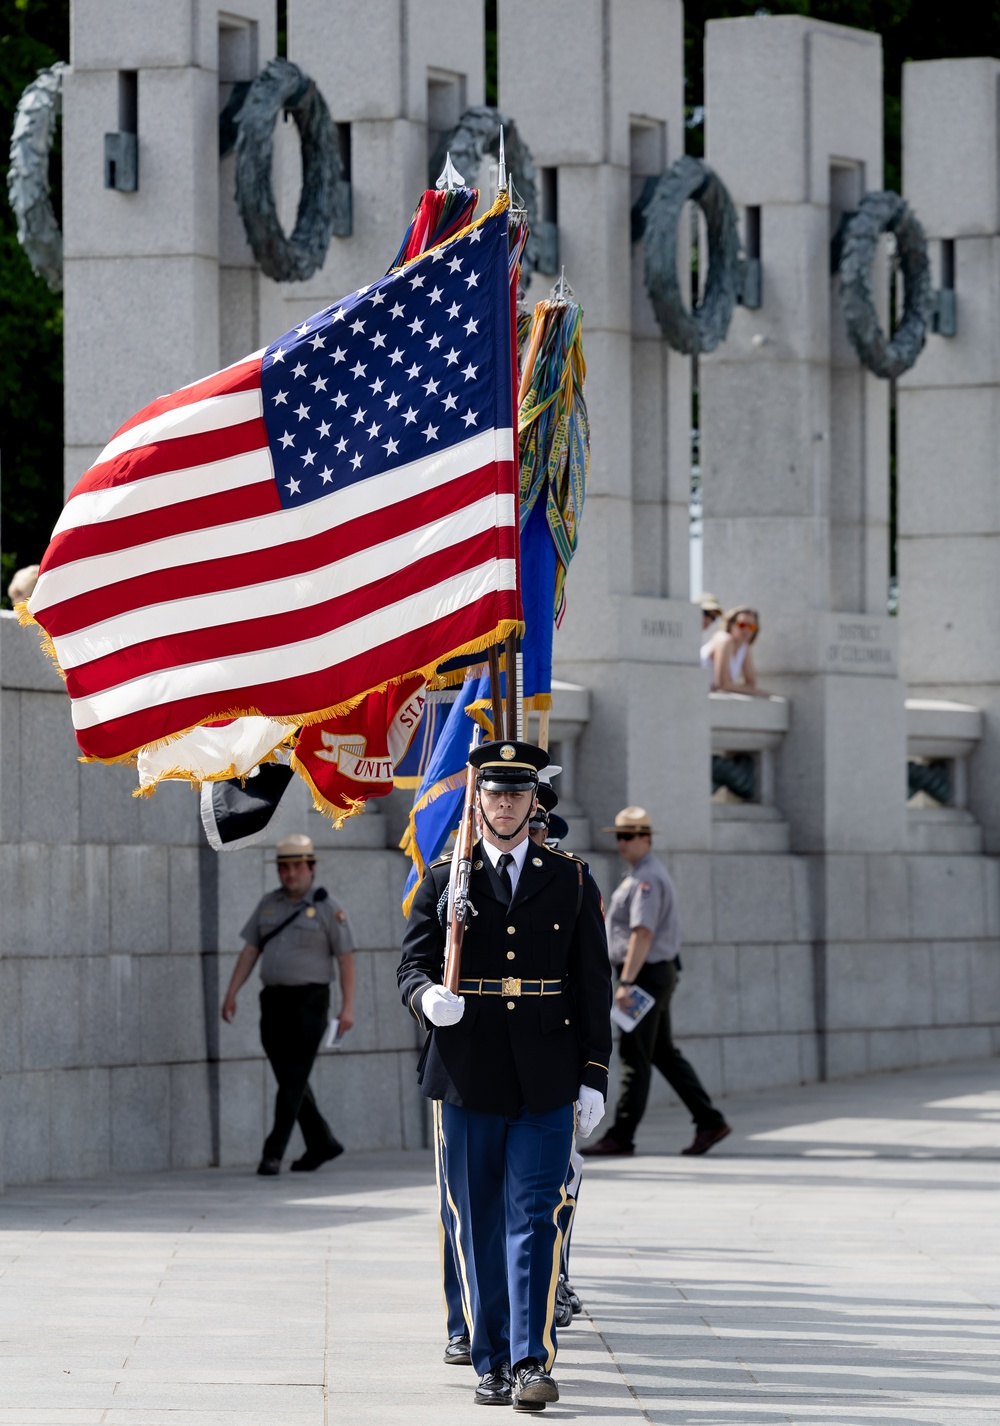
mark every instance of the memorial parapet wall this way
{"type": "Point", "coordinates": [829, 928]}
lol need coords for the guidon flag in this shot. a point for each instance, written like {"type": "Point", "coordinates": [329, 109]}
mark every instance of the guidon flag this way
{"type": "Point", "coordinates": [263, 549]}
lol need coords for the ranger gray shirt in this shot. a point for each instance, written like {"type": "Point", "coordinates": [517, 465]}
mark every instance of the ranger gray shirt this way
{"type": "Point", "coordinates": [644, 897]}
{"type": "Point", "coordinates": [302, 953]}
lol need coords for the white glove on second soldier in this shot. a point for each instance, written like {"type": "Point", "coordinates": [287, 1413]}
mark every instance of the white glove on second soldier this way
{"type": "Point", "coordinates": [441, 1006]}
{"type": "Point", "coordinates": [589, 1111]}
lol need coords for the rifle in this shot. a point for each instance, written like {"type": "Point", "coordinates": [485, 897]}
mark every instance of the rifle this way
{"type": "Point", "coordinates": [459, 905]}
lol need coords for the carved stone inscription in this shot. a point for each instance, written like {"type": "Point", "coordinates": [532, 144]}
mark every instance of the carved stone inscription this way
{"type": "Point", "coordinates": [859, 645]}
{"type": "Point", "coordinates": [661, 628]}
{"type": "Point", "coordinates": [660, 631]}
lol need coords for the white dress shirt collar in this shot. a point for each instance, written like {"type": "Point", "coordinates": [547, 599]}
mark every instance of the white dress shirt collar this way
{"type": "Point", "coordinates": [518, 853]}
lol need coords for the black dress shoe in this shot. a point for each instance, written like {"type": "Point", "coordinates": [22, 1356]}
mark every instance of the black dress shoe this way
{"type": "Point", "coordinates": [533, 1387]}
{"type": "Point", "coordinates": [494, 1387]}
{"type": "Point", "coordinates": [269, 1168]}
{"type": "Point", "coordinates": [705, 1138]}
{"type": "Point", "coordinates": [606, 1148]}
{"type": "Point", "coordinates": [564, 1308]}
{"type": "Point", "coordinates": [312, 1158]}
{"type": "Point", "coordinates": [457, 1352]}
{"type": "Point", "coordinates": [574, 1299]}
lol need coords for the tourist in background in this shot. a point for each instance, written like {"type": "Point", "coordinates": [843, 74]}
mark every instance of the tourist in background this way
{"type": "Point", "coordinates": [711, 610]}
{"type": "Point", "coordinates": [727, 658]}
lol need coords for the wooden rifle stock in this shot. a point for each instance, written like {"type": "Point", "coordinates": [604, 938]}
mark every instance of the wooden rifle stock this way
{"type": "Point", "coordinates": [458, 887]}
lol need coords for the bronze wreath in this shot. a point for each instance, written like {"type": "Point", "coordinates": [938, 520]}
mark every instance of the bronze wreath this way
{"type": "Point", "coordinates": [282, 85]}
{"type": "Point", "coordinates": [885, 212]}
{"type": "Point", "coordinates": [702, 328]}
{"type": "Point", "coordinates": [28, 175]}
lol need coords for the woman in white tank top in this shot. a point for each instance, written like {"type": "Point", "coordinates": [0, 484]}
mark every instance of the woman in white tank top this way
{"type": "Point", "coordinates": [727, 658]}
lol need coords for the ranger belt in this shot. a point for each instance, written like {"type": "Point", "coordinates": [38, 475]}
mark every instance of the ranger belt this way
{"type": "Point", "coordinates": [510, 985]}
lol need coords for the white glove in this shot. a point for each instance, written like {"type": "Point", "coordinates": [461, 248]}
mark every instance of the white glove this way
{"type": "Point", "coordinates": [589, 1111]}
{"type": "Point", "coordinates": [441, 1007]}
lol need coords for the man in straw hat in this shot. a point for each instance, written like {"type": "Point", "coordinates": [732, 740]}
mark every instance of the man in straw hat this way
{"type": "Point", "coordinates": [711, 610]}
{"type": "Point", "coordinates": [644, 936]}
{"type": "Point", "coordinates": [515, 1057]}
{"type": "Point", "coordinates": [298, 933]}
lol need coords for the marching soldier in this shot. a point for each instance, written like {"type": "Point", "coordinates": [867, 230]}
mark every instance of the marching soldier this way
{"type": "Point", "coordinates": [527, 1038]}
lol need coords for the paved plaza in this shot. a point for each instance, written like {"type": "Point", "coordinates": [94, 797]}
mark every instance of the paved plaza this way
{"type": "Point", "coordinates": [836, 1261]}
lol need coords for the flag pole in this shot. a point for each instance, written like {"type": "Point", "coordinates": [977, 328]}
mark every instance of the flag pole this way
{"type": "Point", "coordinates": [496, 701]}
{"type": "Point", "coordinates": [459, 905]}
{"type": "Point", "coordinates": [510, 664]}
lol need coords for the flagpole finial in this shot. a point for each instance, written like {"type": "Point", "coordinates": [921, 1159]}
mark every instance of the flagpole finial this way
{"type": "Point", "coordinates": [502, 166]}
{"type": "Point", "coordinates": [561, 291]}
{"type": "Point", "coordinates": [449, 178]}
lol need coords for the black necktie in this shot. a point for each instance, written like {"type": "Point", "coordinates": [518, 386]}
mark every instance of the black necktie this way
{"type": "Point", "coordinates": [503, 862]}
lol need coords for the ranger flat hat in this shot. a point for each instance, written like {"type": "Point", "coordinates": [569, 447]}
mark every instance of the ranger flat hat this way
{"type": "Point", "coordinates": [296, 848]}
{"type": "Point", "coordinates": [710, 604]}
{"type": "Point", "coordinates": [632, 819]}
{"type": "Point", "coordinates": [508, 766]}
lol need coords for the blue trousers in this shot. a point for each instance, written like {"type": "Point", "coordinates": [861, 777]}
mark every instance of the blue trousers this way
{"type": "Point", "coordinates": [506, 1175]}
{"type": "Point", "coordinates": [456, 1309]}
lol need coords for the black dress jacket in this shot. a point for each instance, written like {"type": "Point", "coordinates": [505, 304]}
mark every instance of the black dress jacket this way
{"type": "Point", "coordinates": [510, 1050]}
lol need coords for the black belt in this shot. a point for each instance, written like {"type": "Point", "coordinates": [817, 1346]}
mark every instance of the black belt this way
{"type": "Point", "coordinates": [510, 985]}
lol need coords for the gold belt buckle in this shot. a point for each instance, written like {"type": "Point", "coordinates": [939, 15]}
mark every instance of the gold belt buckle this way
{"type": "Point", "coordinates": [510, 985]}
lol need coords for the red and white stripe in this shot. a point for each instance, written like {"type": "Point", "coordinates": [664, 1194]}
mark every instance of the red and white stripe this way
{"type": "Point", "coordinates": [176, 589]}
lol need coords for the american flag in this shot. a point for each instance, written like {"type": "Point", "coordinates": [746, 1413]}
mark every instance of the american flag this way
{"type": "Point", "coordinates": [322, 517]}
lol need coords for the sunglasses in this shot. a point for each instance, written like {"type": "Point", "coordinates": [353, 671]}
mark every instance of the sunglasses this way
{"type": "Point", "coordinates": [628, 836]}
{"type": "Point", "coordinates": [745, 624]}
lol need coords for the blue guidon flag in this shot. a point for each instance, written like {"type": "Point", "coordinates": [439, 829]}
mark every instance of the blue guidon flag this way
{"type": "Point", "coordinates": [261, 549]}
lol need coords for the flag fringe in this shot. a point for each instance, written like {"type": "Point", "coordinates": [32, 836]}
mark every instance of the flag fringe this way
{"type": "Point", "coordinates": [231, 773]}
{"type": "Point", "coordinates": [408, 842]}
{"type": "Point", "coordinates": [338, 815]}
{"type": "Point", "coordinates": [26, 619]}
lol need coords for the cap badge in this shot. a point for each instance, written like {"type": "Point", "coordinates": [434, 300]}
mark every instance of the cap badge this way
{"type": "Point", "coordinates": [507, 752]}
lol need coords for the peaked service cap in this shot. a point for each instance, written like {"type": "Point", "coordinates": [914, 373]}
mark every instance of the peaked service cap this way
{"type": "Point", "coordinates": [508, 766]}
{"type": "Point", "coordinates": [558, 827]}
{"type": "Point", "coordinates": [547, 796]}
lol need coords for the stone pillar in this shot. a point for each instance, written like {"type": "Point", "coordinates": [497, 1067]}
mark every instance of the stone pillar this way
{"type": "Point", "coordinates": [795, 430]}
{"type": "Point", "coordinates": [949, 410]}
{"type": "Point", "coordinates": [395, 74]}
{"type": "Point", "coordinates": [597, 89]}
{"type": "Point", "coordinates": [142, 268]}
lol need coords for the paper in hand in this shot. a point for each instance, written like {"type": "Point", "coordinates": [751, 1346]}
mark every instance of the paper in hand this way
{"type": "Point", "coordinates": [330, 1039]}
{"type": "Point", "coordinates": [627, 1016]}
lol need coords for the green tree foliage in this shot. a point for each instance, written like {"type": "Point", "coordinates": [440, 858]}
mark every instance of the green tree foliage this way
{"type": "Point", "coordinates": [33, 34]}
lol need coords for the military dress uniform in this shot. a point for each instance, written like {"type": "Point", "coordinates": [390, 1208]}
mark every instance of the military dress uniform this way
{"type": "Point", "coordinates": [296, 968]}
{"type": "Point", "coordinates": [536, 1027]}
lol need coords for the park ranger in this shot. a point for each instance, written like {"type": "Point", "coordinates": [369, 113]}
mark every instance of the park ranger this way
{"type": "Point", "coordinates": [644, 933]}
{"type": "Point", "coordinates": [524, 1044]}
{"type": "Point", "coordinates": [298, 933]}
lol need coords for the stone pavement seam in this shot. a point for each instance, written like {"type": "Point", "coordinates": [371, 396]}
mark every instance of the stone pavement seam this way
{"type": "Point", "coordinates": [618, 1366]}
